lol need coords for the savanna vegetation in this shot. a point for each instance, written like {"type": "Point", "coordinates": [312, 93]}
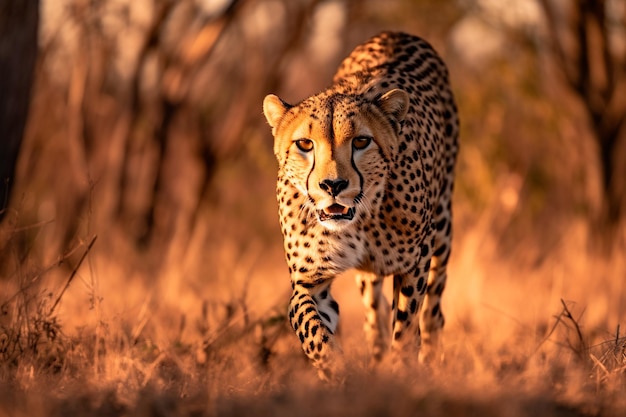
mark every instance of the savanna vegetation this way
{"type": "Point", "coordinates": [141, 263]}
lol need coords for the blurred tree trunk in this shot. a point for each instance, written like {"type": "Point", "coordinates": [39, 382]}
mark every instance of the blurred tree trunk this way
{"type": "Point", "coordinates": [19, 21]}
{"type": "Point", "coordinates": [596, 73]}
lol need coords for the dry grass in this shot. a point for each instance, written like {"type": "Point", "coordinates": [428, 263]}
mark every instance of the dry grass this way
{"type": "Point", "coordinates": [196, 326]}
{"type": "Point", "coordinates": [105, 337]}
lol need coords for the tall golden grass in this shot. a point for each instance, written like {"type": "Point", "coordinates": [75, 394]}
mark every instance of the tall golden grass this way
{"type": "Point", "coordinates": [95, 332]}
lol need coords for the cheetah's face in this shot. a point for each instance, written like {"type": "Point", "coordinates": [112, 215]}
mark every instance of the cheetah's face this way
{"type": "Point", "coordinates": [336, 149]}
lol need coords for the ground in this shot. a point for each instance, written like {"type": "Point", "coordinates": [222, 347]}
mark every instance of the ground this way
{"type": "Point", "coordinates": [124, 345]}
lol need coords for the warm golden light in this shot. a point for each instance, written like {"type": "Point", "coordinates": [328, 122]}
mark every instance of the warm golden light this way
{"type": "Point", "coordinates": [141, 262]}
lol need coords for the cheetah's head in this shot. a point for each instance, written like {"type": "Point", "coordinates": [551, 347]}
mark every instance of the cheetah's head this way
{"type": "Point", "coordinates": [335, 149]}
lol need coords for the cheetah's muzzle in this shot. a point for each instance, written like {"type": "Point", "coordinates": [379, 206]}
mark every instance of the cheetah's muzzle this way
{"type": "Point", "coordinates": [336, 212]}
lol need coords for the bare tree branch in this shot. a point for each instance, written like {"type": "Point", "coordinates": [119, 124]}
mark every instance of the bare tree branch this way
{"type": "Point", "coordinates": [591, 72]}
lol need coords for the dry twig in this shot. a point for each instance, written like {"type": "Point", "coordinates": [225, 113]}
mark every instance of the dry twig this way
{"type": "Point", "coordinates": [73, 274]}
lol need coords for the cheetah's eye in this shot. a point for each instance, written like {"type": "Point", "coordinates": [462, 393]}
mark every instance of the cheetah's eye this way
{"type": "Point", "coordinates": [361, 142]}
{"type": "Point", "coordinates": [305, 145]}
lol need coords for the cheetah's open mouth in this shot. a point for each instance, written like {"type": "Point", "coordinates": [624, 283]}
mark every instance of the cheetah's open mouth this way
{"type": "Point", "coordinates": [336, 212]}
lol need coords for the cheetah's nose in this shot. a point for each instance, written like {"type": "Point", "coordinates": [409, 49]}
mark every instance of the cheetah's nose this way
{"type": "Point", "coordinates": [334, 187]}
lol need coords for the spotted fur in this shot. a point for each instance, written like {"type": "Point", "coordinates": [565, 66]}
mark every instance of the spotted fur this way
{"type": "Point", "coordinates": [365, 179]}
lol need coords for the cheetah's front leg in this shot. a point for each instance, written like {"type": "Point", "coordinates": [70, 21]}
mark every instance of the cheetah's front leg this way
{"type": "Point", "coordinates": [408, 295]}
{"type": "Point", "coordinates": [376, 313]}
{"type": "Point", "coordinates": [432, 320]}
{"type": "Point", "coordinates": [314, 316]}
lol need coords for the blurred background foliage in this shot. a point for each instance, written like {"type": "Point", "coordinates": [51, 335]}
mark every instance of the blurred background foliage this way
{"type": "Point", "coordinates": [145, 128]}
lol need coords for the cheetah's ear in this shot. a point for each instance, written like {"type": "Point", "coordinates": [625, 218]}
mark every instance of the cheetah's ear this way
{"type": "Point", "coordinates": [274, 108]}
{"type": "Point", "coordinates": [394, 103]}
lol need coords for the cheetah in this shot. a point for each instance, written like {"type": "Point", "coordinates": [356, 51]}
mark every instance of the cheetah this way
{"type": "Point", "coordinates": [365, 179]}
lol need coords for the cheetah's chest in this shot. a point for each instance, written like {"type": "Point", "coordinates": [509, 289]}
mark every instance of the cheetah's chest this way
{"type": "Point", "coordinates": [385, 243]}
